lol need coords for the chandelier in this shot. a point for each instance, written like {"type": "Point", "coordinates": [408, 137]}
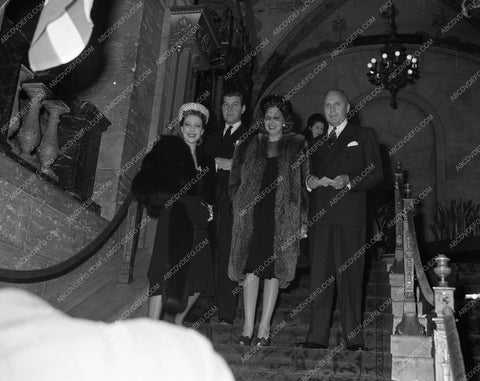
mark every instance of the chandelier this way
{"type": "Point", "coordinates": [395, 69]}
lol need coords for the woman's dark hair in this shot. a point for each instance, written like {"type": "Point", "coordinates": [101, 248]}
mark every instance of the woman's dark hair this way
{"type": "Point", "coordinates": [196, 113]}
{"type": "Point", "coordinates": [315, 118]}
{"type": "Point", "coordinates": [312, 119]}
{"type": "Point", "coordinates": [284, 106]}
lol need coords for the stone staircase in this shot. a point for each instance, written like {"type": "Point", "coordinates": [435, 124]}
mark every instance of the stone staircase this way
{"type": "Point", "coordinates": [114, 301]}
{"type": "Point", "coordinates": [283, 361]}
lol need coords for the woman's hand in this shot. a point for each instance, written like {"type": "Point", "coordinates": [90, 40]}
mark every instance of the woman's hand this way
{"type": "Point", "coordinates": [222, 163]}
{"type": "Point", "coordinates": [303, 231]}
{"type": "Point", "coordinates": [210, 210]}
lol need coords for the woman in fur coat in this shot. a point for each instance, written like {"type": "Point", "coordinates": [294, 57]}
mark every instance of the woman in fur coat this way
{"type": "Point", "coordinates": [175, 185]}
{"type": "Point", "coordinates": [267, 186]}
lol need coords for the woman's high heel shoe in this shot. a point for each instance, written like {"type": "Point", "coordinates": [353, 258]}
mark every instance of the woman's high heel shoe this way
{"type": "Point", "coordinates": [244, 340]}
{"type": "Point", "coordinates": [262, 341]}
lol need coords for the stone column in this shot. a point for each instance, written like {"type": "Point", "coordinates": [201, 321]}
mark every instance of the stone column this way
{"type": "Point", "coordinates": [129, 233]}
{"type": "Point", "coordinates": [47, 151]}
{"type": "Point", "coordinates": [28, 136]}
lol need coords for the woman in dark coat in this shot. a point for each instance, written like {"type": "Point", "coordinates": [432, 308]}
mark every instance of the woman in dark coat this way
{"type": "Point", "coordinates": [175, 185]}
{"type": "Point", "coordinates": [267, 186]}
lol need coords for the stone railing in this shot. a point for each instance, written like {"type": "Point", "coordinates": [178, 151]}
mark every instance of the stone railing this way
{"type": "Point", "coordinates": [57, 137]}
{"type": "Point", "coordinates": [412, 344]}
{"type": "Point", "coordinates": [34, 135]}
{"type": "Point", "coordinates": [397, 266]}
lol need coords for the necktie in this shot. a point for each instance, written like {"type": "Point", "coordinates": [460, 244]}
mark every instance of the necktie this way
{"type": "Point", "coordinates": [229, 131]}
{"type": "Point", "coordinates": [332, 136]}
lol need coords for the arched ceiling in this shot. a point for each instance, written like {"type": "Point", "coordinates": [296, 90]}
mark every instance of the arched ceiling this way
{"type": "Point", "coordinates": [324, 24]}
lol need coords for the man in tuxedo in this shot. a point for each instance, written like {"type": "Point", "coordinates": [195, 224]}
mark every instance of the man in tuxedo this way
{"type": "Point", "coordinates": [344, 165]}
{"type": "Point", "coordinates": [221, 146]}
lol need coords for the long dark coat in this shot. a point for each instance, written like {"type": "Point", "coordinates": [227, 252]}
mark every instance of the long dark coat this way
{"type": "Point", "coordinates": [168, 170]}
{"type": "Point", "coordinates": [291, 203]}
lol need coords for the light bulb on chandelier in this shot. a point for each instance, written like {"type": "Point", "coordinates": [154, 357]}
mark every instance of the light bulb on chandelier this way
{"type": "Point", "coordinates": [396, 69]}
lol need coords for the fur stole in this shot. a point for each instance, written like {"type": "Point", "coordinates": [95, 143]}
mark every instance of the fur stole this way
{"type": "Point", "coordinates": [291, 200]}
{"type": "Point", "coordinates": [165, 170]}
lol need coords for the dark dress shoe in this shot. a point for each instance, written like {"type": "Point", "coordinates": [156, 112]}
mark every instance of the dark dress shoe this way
{"type": "Point", "coordinates": [311, 345]}
{"type": "Point", "coordinates": [225, 322]}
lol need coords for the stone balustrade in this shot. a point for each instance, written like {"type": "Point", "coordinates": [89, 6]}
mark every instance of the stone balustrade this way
{"type": "Point", "coordinates": [47, 151]}
{"type": "Point", "coordinates": [58, 139]}
{"type": "Point", "coordinates": [35, 137]}
{"type": "Point", "coordinates": [411, 345]}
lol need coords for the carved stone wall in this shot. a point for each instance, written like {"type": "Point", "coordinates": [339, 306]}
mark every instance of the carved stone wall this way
{"type": "Point", "coordinates": [121, 76]}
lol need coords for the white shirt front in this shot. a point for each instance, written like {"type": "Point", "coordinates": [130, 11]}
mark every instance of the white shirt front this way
{"type": "Point", "coordinates": [234, 127]}
{"type": "Point", "coordinates": [338, 131]}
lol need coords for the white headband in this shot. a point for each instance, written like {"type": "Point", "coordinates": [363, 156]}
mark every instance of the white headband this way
{"type": "Point", "coordinates": [193, 106]}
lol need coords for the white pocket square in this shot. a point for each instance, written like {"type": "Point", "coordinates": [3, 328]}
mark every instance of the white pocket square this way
{"type": "Point", "coordinates": [352, 144]}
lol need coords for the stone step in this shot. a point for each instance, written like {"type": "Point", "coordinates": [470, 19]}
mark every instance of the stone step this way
{"type": "Point", "coordinates": [371, 302]}
{"type": "Point", "coordinates": [376, 338]}
{"type": "Point", "coordinates": [299, 361]}
{"type": "Point", "coordinates": [303, 282]}
{"type": "Point", "coordinates": [245, 373]}
{"type": "Point", "coordinates": [283, 361]}
{"type": "Point", "coordinates": [303, 317]}
{"type": "Point", "coordinates": [371, 289]}
{"type": "Point", "coordinates": [119, 301]}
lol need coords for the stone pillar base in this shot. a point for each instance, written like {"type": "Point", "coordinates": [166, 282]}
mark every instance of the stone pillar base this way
{"type": "Point", "coordinates": [412, 358]}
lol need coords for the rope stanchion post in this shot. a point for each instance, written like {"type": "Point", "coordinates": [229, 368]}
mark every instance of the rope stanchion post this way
{"type": "Point", "coordinates": [131, 225]}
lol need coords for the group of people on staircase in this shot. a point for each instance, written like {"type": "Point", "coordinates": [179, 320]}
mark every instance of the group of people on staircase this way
{"type": "Point", "coordinates": [266, 188]}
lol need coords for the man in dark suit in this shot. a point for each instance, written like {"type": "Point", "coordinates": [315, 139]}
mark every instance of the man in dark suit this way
{"type": "Point", "coordinates": [344, 165]}
{"type": "Point", "coordinates": [221, 146]}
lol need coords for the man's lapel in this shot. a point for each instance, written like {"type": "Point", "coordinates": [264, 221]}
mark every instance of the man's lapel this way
{"type": "Point", "coordinates": [340, 144]}
{"type": "Point", "coordinates": [238, 134]}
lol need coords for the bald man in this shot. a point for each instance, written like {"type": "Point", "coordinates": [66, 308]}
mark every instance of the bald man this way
{"type": "Point", "coordinates": [344, 165]}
